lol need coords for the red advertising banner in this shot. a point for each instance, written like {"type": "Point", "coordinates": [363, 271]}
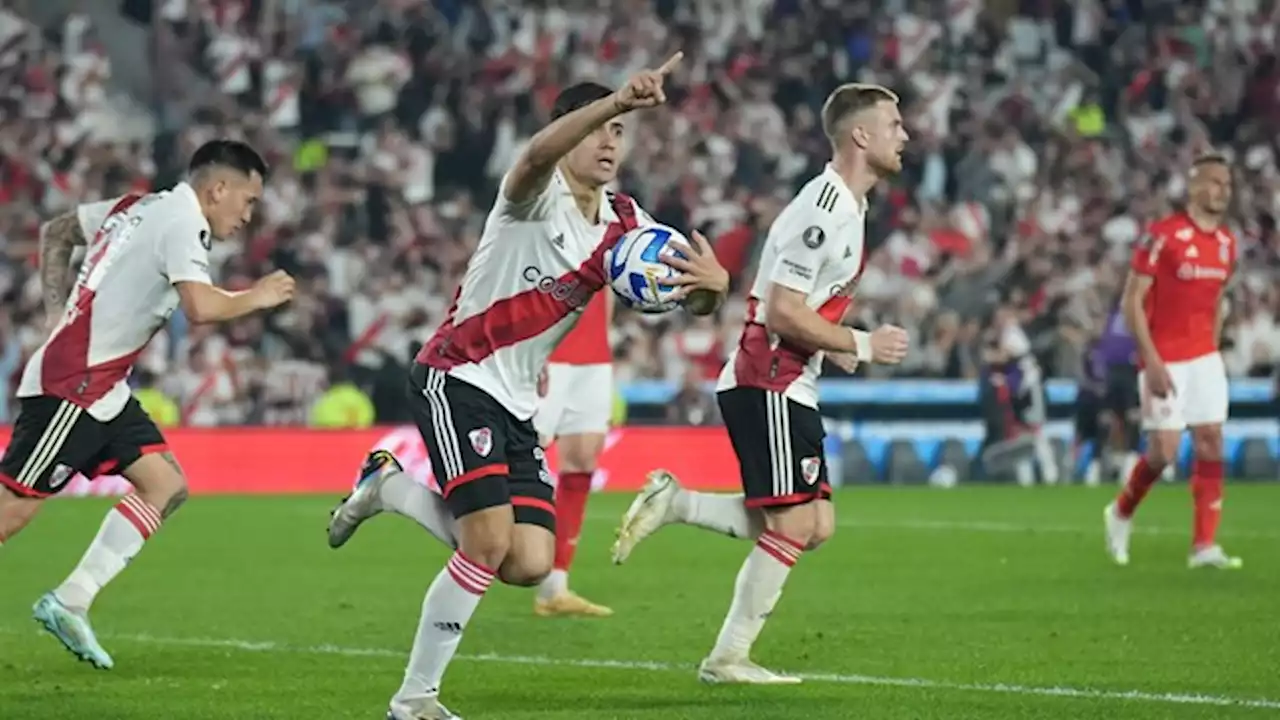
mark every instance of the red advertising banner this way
{"type": "Point", "coordinates": [297, 460]}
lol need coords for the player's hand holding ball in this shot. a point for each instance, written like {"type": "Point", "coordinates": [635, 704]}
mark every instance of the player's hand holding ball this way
{"type": "Point", "coordinates": [273, 290]}
{"type": "Point", "coordinates": [644, 89]}
{"type": "Point", "coordinates": [888, 345]}
{"type": "Point", "coordinates": [703, 282]}
{"type": "Point", "coordinates": [1159, 382]}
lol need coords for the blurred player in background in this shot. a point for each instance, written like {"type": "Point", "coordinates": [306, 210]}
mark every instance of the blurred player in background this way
{"type": "Point", "coordinates": [813, 256]}
{"type": "Point", "coordinates": [1025, 382]}
{"type": "Point", "coordinates": [1173, 304]}
{"type": "Point", "coordinates": [473, 386]}
{"type": "Point", "coordinates": [1118, 352]}
{"type": "Point", "coordinates": [145, 255]}
{"type": "Point", "coordinates": [577, 401]}
{"type": "Point", "coordinates": [1091, 428]}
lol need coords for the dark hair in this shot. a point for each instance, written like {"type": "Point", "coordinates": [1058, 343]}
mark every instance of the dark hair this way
{"type": "Point", "coordinates": [1210, 158]}
{"type": "Point", "coordinates": [228, 153]}
{"type": "Point", "coordinates": [576, 97]}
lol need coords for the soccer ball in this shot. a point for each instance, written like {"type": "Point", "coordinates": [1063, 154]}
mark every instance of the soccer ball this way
{"type": "Point", "coordinates": [636, 271]}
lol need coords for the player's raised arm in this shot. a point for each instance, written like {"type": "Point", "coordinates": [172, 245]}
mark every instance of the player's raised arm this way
{"type": "Point", "coordinates": [532, 170]}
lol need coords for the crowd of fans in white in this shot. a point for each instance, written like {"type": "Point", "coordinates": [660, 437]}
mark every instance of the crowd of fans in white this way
{"type": "Point", "coordinates": [1044, 136]}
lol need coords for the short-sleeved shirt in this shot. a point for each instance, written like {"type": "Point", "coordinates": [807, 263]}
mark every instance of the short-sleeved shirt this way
{"type": "Point", "coordinates": [1188, 267]}
{"type": "Point", "coordinates": [536, 268]}
{"type": "Point", "coordinates": [139, 247]}
{"type": "Point", "coordinates": [816, 246]}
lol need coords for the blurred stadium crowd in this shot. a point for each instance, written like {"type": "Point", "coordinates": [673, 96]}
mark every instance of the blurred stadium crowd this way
{"type": "Point", "coordinates": [1045, 134]}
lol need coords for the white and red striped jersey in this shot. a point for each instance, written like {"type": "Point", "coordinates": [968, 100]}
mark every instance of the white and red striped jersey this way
{"type": "Point", "coordinates": [527, 284]}
{"type": "Point", "coordinates": [139, 247]}
{"type": "Point", "coordinates": [817, 246]}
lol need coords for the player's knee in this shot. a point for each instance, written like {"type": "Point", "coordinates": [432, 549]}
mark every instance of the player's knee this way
{"type": "Point", "coordinates": [15, 512]}
{"type": "Point", "coordinates": [1162, 448]}
{"type": "Point", "coordinates": [485, 536]}
{"type": "Point", "coordinates": [797, 522]}
{"type": "Point", "coordinates": [1207, 444]}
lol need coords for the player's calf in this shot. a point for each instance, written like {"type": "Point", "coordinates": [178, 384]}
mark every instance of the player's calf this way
{"type": "Point", "coordinates": [531, 556]}
{"type": "Point", "coordinates": [1207, 473]}
{"type": "Point", "coordinates": [15, 512]}
{"type": "Point", "coordinates": [824, 523]}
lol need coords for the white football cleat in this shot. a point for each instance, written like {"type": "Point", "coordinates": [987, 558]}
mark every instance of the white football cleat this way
{"type": "Point", "coordinates": [1118, 530]}
{"type": "Point", "coordinates": [424, 709]}
{"type": "Point", "coordinates": [741, 672]}
{"type": "Point", "coordinates": [651, 509]}
{"type": "Point", "coordinates": [362, 503]}
{"type": "Point", "coordinates": [1213, 556]}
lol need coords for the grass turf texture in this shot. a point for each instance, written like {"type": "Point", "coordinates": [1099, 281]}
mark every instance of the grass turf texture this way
{"type": "Point", "coordinates": [239, 610]}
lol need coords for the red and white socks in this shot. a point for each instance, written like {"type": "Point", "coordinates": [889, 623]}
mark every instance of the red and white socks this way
{"type": "Point", "coordinates": [450, 602]}
{"type": "Point", "coordinates": [572, 492]}
{"type": "Point", "coordinates": [124, 531]}
{"type": "Point", "coordinates": [755, 592]}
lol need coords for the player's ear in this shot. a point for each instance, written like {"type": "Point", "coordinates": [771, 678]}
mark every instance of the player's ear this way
{"type": "Point", "coordinates": [860, 136]}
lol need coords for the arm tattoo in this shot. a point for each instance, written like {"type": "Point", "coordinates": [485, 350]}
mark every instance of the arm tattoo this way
{"type": "Point", "coordinates": [180, 496]}
{"type": "Point", "coordinates": [58, 239]}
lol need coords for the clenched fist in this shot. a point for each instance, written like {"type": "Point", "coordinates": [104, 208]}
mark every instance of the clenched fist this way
{"type": "Point", "coordinates": [272, 290]}
{"type": "Point", "coordinates": [888, 345]}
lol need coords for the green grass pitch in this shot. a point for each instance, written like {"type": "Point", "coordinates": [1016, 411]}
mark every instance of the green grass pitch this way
{"type": "Point", "coordinates": [985, 603]}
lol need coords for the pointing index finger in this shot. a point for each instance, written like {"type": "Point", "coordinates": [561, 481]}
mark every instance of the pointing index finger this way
{"type": "Point", "coordinates": [671, 63]}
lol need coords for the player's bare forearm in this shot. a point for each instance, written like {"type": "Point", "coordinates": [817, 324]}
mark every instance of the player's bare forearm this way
{"type": "Point", "coordinates": [532, 170]}
{"type": "Point", "coordinates": [203, 303]}
{"type": "Point", "coordinates": [1136, 288]}
{"type": "Point", "coordinates": [59, 238]}
{"type": "Point", "coordinates": [788, 315]}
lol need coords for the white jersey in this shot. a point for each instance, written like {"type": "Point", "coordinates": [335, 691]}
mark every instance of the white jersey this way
{"type": "Point", "coordinates": [537, 265]}
{"type": "Point", "coordinates": [139, 246]}
{"type": "Point", "coordinates": [816, 246]}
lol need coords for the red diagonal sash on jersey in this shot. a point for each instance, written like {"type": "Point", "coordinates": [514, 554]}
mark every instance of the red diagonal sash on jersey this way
{"type": "Point", "coordinates": [530, 312]}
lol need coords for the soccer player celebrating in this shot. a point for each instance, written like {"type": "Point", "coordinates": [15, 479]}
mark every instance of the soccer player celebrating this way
{"type": "Point", "coordinates": [574, 413]}
{"type": "Point", "coordinates": [1173, 306]}
{"type": "Point", "coordinates": [145, 256]}
{"type": "Point", "coordinates": [474, 384]}
{"type": "Point", "coordinates": [768, 394]}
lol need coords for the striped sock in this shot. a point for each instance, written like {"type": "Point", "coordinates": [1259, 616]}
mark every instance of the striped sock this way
{"type": "Point", "coordinates": [756, 591]}
{"type": "Point", "coordinates": [122, 535]}
{"type": "Point", "coordinates": [450, 602]}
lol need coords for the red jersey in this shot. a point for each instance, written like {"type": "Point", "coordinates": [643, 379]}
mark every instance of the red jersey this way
{"type": "Point", "coordinates": [588, 342]}
{"type": "Point", "coordinates": [1189, 268]}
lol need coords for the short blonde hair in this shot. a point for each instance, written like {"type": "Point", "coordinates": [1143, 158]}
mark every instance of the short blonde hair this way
{"type": "Point", "coordinates": [848, 100]}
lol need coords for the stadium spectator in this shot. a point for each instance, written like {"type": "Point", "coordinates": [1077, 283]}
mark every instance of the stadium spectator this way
{"type": "Point", "coordinates": [1047, 135]}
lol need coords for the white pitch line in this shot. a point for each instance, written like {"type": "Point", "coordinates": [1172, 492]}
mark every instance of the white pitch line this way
{"type": "Point", "coordinates": [653, 666]}
{"type": "Point", "coordinates": [998, 526]}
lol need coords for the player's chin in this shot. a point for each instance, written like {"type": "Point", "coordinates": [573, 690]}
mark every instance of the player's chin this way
{"type": "Point", "coordinates": [604, 173]}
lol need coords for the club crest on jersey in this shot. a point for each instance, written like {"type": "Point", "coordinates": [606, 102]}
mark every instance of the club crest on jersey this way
{"type": "Point", "coordinates": [60, 475]}
{"type": "Point", "coordinates": [813, 237]}
{"type": "Point", "coordinates": [1185, 234]}
{"type": "Point", "coordinates": [809, 468]}
{"type": "Point", "coordinates": [481, 441]}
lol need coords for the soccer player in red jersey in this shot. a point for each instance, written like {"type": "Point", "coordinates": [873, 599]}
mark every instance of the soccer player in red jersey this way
{"type": "Point", "coordinates": [1173, 304]}
{"type": "Point", "coordinates": [574, 412]}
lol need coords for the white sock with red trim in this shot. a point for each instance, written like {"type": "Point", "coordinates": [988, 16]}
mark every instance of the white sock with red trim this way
{"type": "Point", "coordinates": [756, 591]}
{"type": "Point", "coordinates": [451, 600]}
{"type": "Point", "coordinates": [403, 495]}
{"type": "Point", "coordinates": [719, 513]}
{"type": "Point", "coordinates": [123, 532]}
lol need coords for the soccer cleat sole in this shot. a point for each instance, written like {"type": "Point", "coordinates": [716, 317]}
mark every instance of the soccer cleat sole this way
{"type": "Point", "coordinates": [625, 529]}
{"type": "Point", "coordinates": [51, 627]}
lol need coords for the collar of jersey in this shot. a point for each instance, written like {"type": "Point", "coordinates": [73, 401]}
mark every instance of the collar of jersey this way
{"type": "Point", "coordinates": [859, 204]}
{"type": "Point", "coordinates": [607, 215]}
{"type": "Point", "coordinates": [185, 190]}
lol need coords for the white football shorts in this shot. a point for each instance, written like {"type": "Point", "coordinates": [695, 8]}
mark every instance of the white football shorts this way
{"type": "Point", "coordinates": [579, 400]}
{"type": "Point", "coordinates": [1200, 396]}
